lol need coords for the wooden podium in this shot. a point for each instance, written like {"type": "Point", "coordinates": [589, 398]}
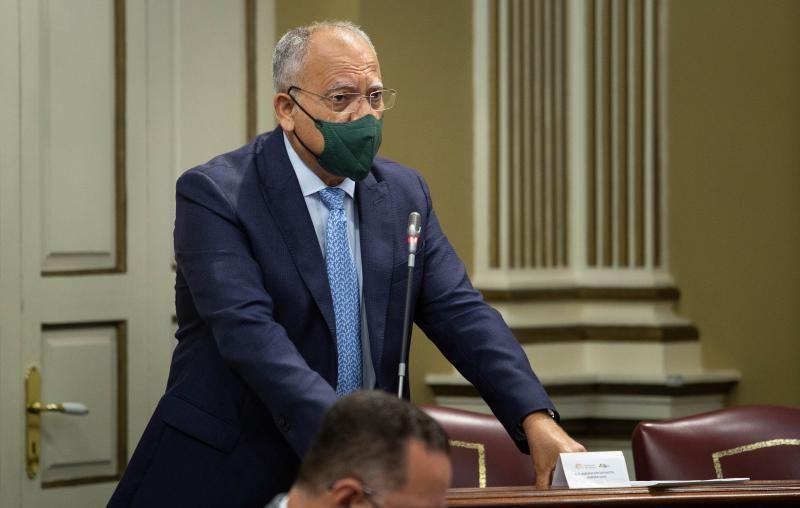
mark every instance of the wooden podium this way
{"type": "Point", "coordinates": [750, 494]}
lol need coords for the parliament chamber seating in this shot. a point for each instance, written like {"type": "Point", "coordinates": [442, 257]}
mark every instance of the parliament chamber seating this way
{"type": "Point", "coordinates": [760, 442]}
{"type": "Point", "coordinates": [483, 454]}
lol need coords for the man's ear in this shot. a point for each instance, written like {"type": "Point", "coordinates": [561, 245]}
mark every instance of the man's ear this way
{"type": "Point", "coordinates": [346, 492]}
{"type": "Point", "coordinates": [284, 106]}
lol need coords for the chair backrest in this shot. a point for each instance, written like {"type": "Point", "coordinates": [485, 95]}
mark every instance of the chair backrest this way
{"type": "Point", "coordinates": [482, 453]}
{"type": "Point", "coordinates": [760, 442]}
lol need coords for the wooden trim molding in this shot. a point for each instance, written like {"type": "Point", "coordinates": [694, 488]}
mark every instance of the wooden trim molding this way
{"type": "Point", "coordinates": [664, 293]}
{"type": "Point", "coordinates": [657, 389]}
{"type": "Point", "coordinates": [494, 153]}
{"type": "Point", "coordinates": [600, 388]}
{"type": "Point", "coordinates": [122, 401]}
{"type": "Point", "coordinates": [745, 494]}
{"type": "Point", "coordinates": [606, 333]}
{"type": "Point", "coordinates": [593, 158]}
{"type": "Point", "coordinates": [120, 134]}
{"type": "Point", "coordinates": [251, 71]}
{"type": "Point", "coordinates": [595, 428]}
{"type": "Point", "coordinates": [658, 136]}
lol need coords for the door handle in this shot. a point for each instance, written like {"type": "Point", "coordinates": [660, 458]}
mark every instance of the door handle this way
{"type": "Point", "coordinates": [69, 408]}
{"type": "Point", "coordinates": [33, 410]}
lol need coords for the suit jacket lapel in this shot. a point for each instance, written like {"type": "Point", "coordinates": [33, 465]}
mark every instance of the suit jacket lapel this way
{"type": "Point", "coordinates": [287, 206]}
{"type": "Point", "coordinates": [376, 221]}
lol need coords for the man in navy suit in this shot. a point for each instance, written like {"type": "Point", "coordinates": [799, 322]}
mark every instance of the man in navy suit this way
{"type": "Point", "coordinates": [270, 334]}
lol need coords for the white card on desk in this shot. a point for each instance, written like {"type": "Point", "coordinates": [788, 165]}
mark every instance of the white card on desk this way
{"type": "Point", "coordinates": [685, 483]}
{"type": "Point", "coordinates": [591, 470]}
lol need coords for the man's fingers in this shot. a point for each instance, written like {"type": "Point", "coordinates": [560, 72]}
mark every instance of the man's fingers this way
{"type": "Point", "coordinates": [546, 440]}
{"type": "Point", "coordinates": [543, 478]}
{"type": "Point", "coordinates": [544, 468]}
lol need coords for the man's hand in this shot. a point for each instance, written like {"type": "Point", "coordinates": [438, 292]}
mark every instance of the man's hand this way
{"type": "Point", "coordinates": [546, 440]}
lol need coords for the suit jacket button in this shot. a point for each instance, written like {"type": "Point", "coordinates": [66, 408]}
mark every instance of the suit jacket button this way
{"type": "Point", "coordinates": [283, 424]}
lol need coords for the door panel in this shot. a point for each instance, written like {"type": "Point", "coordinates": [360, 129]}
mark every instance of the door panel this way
{"type": "Point", "coordinates": [88, 448]}
{"type": "Point", "coordinates": [76, 127]}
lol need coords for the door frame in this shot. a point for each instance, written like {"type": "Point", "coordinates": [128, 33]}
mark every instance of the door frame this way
{"type": "Point", "coordinates": [12, 420]}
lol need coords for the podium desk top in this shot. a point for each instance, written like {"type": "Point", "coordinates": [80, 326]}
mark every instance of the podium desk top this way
{"type": "Point", "coordinates": [745, 494]}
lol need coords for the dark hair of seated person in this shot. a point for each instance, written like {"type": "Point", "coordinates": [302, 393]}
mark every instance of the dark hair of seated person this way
{"type": "Point", "coordinates": [365, 435]}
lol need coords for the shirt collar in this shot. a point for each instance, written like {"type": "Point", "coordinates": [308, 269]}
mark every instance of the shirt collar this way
{"type": "Point", "coordinates": [310, 183]}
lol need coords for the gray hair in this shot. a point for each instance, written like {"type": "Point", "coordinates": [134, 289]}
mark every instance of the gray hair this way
{"type": "Point", "coordinates": [290, 52]}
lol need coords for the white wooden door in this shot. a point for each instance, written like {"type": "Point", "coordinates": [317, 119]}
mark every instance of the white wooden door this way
{"type": "Point", "coordinates": [84, 317]}
{"type": "Point", "coordinates": [102, 104]}
{"type": "Point", "coordinates": [84, 296]}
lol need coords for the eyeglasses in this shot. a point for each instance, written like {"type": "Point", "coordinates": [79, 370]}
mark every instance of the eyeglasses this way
{"type": "Point", "coordinates": [372, 496]}
{"type": "Point", "coordinates": [341, 103]}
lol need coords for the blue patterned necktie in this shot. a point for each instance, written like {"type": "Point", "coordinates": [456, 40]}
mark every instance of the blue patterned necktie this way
{"type": "Point", "coordinates": [343, 279]}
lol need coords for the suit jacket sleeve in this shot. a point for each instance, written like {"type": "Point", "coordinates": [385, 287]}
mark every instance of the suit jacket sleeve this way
{"type": "Point", "coordinates": [213, 254]}
{"type": "Point", "coordinates": [473, 335]}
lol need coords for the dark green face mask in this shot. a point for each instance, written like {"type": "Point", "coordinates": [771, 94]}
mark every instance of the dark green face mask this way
{"type": "Point", "coordinates": [350, 147]}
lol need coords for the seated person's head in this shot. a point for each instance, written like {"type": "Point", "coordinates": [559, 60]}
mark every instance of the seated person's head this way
{"type": "Point", "coordinates": [375, 451]}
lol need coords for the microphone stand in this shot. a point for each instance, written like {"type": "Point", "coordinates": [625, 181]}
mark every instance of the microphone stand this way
{"type": "Point", "coordinates": [406, 332]}
{"type": "Point", "coordinates": [414, 230]}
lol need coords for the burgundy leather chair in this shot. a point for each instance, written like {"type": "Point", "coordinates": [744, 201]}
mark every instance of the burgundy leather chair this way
{"type": "Point", "coordinates": [482, 453]}
{"type": "Point", "coordinates": [759, 442]}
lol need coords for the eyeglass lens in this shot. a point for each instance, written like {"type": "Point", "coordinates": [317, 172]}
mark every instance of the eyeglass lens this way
{"type": "Point", "coordinates": [379, 100]}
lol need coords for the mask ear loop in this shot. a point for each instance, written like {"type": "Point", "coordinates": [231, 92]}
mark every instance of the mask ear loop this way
{"type": "Point", "coordinates": [316, 122]}
{"type": "Point", "coordinates": [289, 93]}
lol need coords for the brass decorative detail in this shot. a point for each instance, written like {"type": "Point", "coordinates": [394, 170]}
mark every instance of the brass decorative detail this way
{"type": "Point", "coordinates": [749, 448]}
{"type": "Point", "coordinates": [33, 409]}
{"type": "Point", "coordinates": [120, 135]}
{"type": "Point", "coordinates": [481, 449]}
{"type": "Point", "coordinates": [32, 422]}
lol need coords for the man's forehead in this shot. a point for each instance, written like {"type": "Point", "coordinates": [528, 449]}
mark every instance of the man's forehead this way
{"type": "Point", "coordinates": [338, 56]}
{"type": "Point", "coordinates": [338, 41]}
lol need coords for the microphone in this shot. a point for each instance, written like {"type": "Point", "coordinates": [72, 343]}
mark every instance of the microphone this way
{"type": "Point", "coordinates": [413, 231]}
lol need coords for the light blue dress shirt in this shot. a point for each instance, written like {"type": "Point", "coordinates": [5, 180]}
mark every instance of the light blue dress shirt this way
{"type": "Point", "coordinates": [310, 185]}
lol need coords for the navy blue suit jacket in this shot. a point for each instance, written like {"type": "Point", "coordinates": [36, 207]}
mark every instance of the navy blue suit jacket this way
{"type": "Point", "coordinates": [255, 364]}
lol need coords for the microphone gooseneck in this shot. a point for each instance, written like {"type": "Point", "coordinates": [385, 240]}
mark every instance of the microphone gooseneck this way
{"type": "Point", "coordinates": [413, 231]}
